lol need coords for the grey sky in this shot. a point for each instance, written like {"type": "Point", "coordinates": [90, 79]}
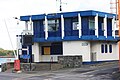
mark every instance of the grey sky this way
{"type": "Point", "coordinates": [12, 8]}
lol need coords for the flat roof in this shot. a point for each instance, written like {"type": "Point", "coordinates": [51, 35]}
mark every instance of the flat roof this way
{"type": "Point", "coordinates": [67, 15]}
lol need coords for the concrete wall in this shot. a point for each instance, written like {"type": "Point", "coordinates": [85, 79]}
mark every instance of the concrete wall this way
{"type": "Point", "coordinates": [77, 48]}
{"type": "Point", "coordinates": [109, 56]}
{"type": "Point", "coordinates": [49, 58]}
{"type": "Point", "coordinates": [96, 48]}
{"type": "Point", "coordinates": [73, 48]}
{"type": "Point", "coordinates": [36, 52]}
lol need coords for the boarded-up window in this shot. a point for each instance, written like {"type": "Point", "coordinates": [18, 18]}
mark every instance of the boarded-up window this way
{"type": "Point", "coordinates": [46, 50]}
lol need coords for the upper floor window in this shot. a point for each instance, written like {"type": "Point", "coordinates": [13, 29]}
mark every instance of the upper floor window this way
{"type": "Point", "coordinates": [53, 25]}
{"type": "Point", "coordinates": [102, 26]}
{"type": "Point", "coordinates": [91, 23]}
{"type": "Point", "coordinates": [75, 26]}
{"type": "Point", "coordinates": [116, 32]}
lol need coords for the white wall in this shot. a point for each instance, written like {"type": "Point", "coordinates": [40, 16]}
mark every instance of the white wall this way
{"type": "Point", "coordinates": [35, 51]}
{"type": "Point", "coordinates": [49, 58]}
{"type": "Point", "coordinates": [96, 47]}
{"type": "Point", "coordinates": [84, 48]}
{"type": "Point", "coordinates": [77, 48]}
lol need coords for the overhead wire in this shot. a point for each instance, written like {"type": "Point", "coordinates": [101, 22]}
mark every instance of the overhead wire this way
{"type": "Point", "coordinates": [10, 39]}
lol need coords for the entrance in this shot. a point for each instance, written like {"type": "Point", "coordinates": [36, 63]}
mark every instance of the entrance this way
{"type": "Point", "coordinates": [93, 56]}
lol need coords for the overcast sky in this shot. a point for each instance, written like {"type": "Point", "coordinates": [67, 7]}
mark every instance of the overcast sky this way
{"type": "Point", "coordinates": [13, 8]}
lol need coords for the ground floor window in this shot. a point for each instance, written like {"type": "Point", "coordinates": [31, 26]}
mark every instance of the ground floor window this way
{"type": "Point", "coordinates": [102, 48]}
{"type": "Point", "coordinates": [54, 49]}
{"type": "Point", "coordinates": [46, 50]}
{"type": "Point", "coordinates": [106, 48]}
{"type": "Point", "coordinates": [110, 48]}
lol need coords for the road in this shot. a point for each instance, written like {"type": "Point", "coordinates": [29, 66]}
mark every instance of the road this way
{"type": "Point", "coordinates": [95, 72]}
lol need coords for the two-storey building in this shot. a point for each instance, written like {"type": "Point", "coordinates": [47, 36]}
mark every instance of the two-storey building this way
{"type": "Point", "coordinates": [87, 33]}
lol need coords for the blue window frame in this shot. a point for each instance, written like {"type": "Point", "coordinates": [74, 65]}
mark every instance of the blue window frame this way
{"type": "Point", "coordinates": [106, 48]}
{"type": "Point", "coordinates": [102, 48]}
{"type": "Point", "coordinates": [110, 48]}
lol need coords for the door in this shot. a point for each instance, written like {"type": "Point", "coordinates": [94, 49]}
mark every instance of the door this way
{"type": "Point", "coordinates": [93, 56]}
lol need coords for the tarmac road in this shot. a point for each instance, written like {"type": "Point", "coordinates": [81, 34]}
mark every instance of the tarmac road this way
{"type": "Point", "coordinates": [92, 72]}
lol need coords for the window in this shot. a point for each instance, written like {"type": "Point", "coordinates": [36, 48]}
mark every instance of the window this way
{"type": "Point", "coordinates": [102, 48]}
{"type": "Point", "coordinates": [75, 26]}
{"type": "Point", "coordinates": [53, 25]}
{"type": "Point", "coordinates": [116, 32]}
{"type": "Point", "coordinates": [46, 50]}
{"type": "Point", "coordinates": [91, 23]}
{"type": "Point", "coordinates": [110, 48]}
{"type": "Point", "coordinates": [102, 24]}
{"type": "Point", "coordinates": [106, 48]}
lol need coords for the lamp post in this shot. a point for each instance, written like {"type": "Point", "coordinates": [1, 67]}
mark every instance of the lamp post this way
{"type": "Point", "coordinates": [17, 50]}
{"type": "Point", "coordinates": [17, 61]}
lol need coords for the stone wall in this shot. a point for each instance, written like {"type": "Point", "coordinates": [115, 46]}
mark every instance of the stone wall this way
{"type": "Point", "coordinates": [40, 66]}
{"type": "Point", "coordinates": [6, 66]}
{"type": "Point", "coordinates": [63, 62]}
{"type": "Point", "coordinates": [70, 61]}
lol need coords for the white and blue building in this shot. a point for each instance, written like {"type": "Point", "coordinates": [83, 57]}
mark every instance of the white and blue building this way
{"type": "Point", "coordinates": [87, 33]}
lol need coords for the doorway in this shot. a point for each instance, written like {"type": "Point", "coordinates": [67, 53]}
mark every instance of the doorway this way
{"type": "Point", "coordinates": [93, 56]}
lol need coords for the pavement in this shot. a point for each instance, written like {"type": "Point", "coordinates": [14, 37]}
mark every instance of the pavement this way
{"type": "Point", "coordinates": [101, 71]}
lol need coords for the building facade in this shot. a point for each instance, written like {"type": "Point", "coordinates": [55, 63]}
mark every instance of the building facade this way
{"type": "Point", "coordinates": [87, 33]}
